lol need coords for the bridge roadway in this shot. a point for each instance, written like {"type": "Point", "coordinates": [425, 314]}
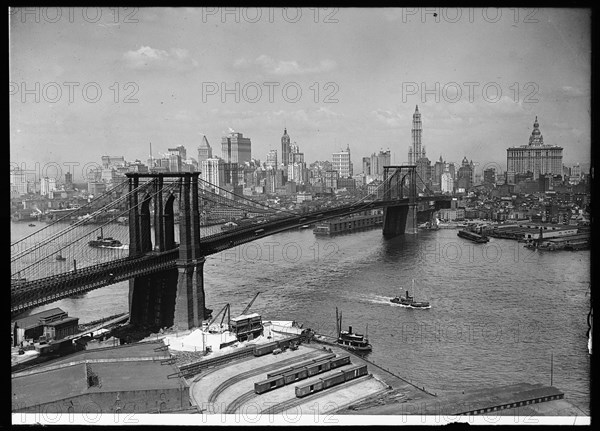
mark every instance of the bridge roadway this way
{"type": "Point", "coordinates": [34, 293]}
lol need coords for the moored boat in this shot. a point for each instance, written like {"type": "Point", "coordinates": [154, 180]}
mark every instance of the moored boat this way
{"type": "Point", "coordinates": [351, 340]}
{"type": "Point", "coordinates": [472, 236]}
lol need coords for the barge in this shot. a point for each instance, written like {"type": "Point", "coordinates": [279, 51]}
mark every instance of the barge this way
{"type": "Point", "coordinates": [349, 224]}
{"type": "Point", "coordinates": [472, 236]}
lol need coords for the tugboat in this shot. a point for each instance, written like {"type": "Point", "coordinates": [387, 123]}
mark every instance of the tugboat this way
{"type": "Point", "coordinates": [108, 242]}
{"type": "Point", "coordinates": [351, 340]}
{"type": "Point", "coordinates": [409, 301]}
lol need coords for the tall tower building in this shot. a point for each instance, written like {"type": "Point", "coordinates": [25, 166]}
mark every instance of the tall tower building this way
{"type": "Point", "coordinates": [285, 147]}
{"type": "Point", "coordinates": [176, 157]}
{"type": "Point", "coordinates": [536, 157]}
{"type": "Point", "coordinates": [213, 172]}
{"type": "Point", "coordinates": [204, 150]}
{"type": "Point", "coordinates": [235, 148]}
{"type": "Point", "coordinates": [416, 152]}
{"type": "Point", "coordinates": [378, 161]}
{"type": "Point", "coordinates": [272, 159]}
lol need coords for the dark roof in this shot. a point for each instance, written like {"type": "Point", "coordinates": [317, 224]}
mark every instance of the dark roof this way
{"type": "Point", "coordinates": [33, 320]}
{"type": "Point", "coordinates": [63, 321]}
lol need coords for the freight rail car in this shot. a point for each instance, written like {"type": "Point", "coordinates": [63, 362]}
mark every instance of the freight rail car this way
{"type": "Point", "coordinates": [301, 365]}
{"type": "Point", "coordinates": [337, 378]}
{"type": "Point", "coordinates": [264, 349]}
{"type": "Point", "coordinates": [292, 374]}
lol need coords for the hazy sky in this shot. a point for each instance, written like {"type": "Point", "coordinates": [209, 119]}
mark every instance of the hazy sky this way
{"type": "Point", "coordinates": [332, 77]}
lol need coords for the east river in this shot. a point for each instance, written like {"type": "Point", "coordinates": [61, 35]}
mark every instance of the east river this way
{"type": "Point", "coordinates": [499, 311]}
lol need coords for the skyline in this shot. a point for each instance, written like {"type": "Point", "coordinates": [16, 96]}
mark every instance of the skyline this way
{"type": "Point", "coordinates": [377, 63]}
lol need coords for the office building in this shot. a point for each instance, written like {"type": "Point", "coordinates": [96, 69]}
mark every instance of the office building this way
{"type": "Point", "coordinates": [235, 148]}
{"type": "Point", "coordinates": [535, 157]}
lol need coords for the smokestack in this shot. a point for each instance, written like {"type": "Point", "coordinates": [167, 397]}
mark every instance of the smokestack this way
{"type": "Point", "coordinates": [350, 329]}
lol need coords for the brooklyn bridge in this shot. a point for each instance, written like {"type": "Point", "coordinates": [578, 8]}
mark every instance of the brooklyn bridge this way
{"type": "Point", "coordinates": [169, 237]}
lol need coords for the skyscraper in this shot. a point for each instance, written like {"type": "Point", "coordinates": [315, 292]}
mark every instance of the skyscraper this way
{"type": "Point", "coordinates": [68, 180]}
{"type": "Point", "coordinates": [272, 159]}
{"type": "Point", "coordinates": [416, 152]}
{"type": "Point", "coordinates": [176, 157]}
{"type": "Point", "coordinates": [489, 176]}
{"type": "Point", "coordinates": [213, 171]}
{"type": "Point", "coordinates": [378, 161]}
{"type": "Point", "coordinates": [447, 182]}
{"type": "Point", "coordinates": [235, 148]}
{"type": "Point", "coordinates": [465, 174]}
{"type": "Point", "coordinates": [295, 156]}
{"type": "Point", "coordinates": [536, 157]}
{"type": "Point", "coordinates": [285, 147]}
{"type": "Point", "coordinates": [366, 165]}
{"type": "Point", "coordinates": [342, 163]}
{"type": "Point", "coordinates": [204, 150]}
{"type": "Point", "coordinates": [423, 173]}
{"type": "Point", "coordinates": [438, 170]}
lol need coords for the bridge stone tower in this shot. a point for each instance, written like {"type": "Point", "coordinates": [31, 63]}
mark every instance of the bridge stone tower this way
{"type": "Point", "coordinates": [398, 220]}
{"type": "Point", "coordinates": [171, 296]}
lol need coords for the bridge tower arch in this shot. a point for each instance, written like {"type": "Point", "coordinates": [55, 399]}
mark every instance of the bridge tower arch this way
{"type": "Point", "coordinates": [173, 296]}
{"type": "Point", "coordinates": [400, 183]}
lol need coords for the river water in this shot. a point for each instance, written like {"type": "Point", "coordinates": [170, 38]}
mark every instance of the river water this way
{"type": "Point", "coordinates": [499, 311]}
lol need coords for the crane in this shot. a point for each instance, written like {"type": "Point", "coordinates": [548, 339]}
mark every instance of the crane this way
{"type": "Point", "coordinates": [225, 311]}
{"type": "Point", "coordinates": [250, 304]}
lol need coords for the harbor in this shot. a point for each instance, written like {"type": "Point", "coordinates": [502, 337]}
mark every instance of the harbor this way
{"type": "Point", "coordinates": [367, 220]}
{"type": "Point", "coordinates": [417, 337]}
{"type": "Point", "coordinates": [305, 370]}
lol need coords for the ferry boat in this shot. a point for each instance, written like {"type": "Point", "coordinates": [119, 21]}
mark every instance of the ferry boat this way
{"type": "Point", "coordinates": [351, 340]}
{"type": "Point", "coordinates": [229, 225]}
{"type": "Point", "coordinates": [105, 242]}
{"type": "Point", "coordinates": [472, 236]}
{"type": "Point", "coordinates": [409, 301]}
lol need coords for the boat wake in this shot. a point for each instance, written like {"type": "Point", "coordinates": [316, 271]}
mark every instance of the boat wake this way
{"type": "Point", "coordinates": [410, 306]}
{"type": "Point", "coordinates": [378, 299]}
{"type": "Point", "coordinates": [120, 247]}
{"type": "Point", "coordinates": [385, 300]}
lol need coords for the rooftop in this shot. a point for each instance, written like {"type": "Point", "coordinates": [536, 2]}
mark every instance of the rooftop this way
{"type": "Point", "coordinates": [124, 368]}
{"type": "Point", "coordinates": [33, 319]}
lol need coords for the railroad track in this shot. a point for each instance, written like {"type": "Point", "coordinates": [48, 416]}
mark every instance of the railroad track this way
{"type": "Point", "coordinates": [239, 377]}
{"type": "Point", "coordinates": [294, 402]}
{"type": "Point", "coordinates": [240, 401]}
{"type": "Point", "coordinates": [193, 368]}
